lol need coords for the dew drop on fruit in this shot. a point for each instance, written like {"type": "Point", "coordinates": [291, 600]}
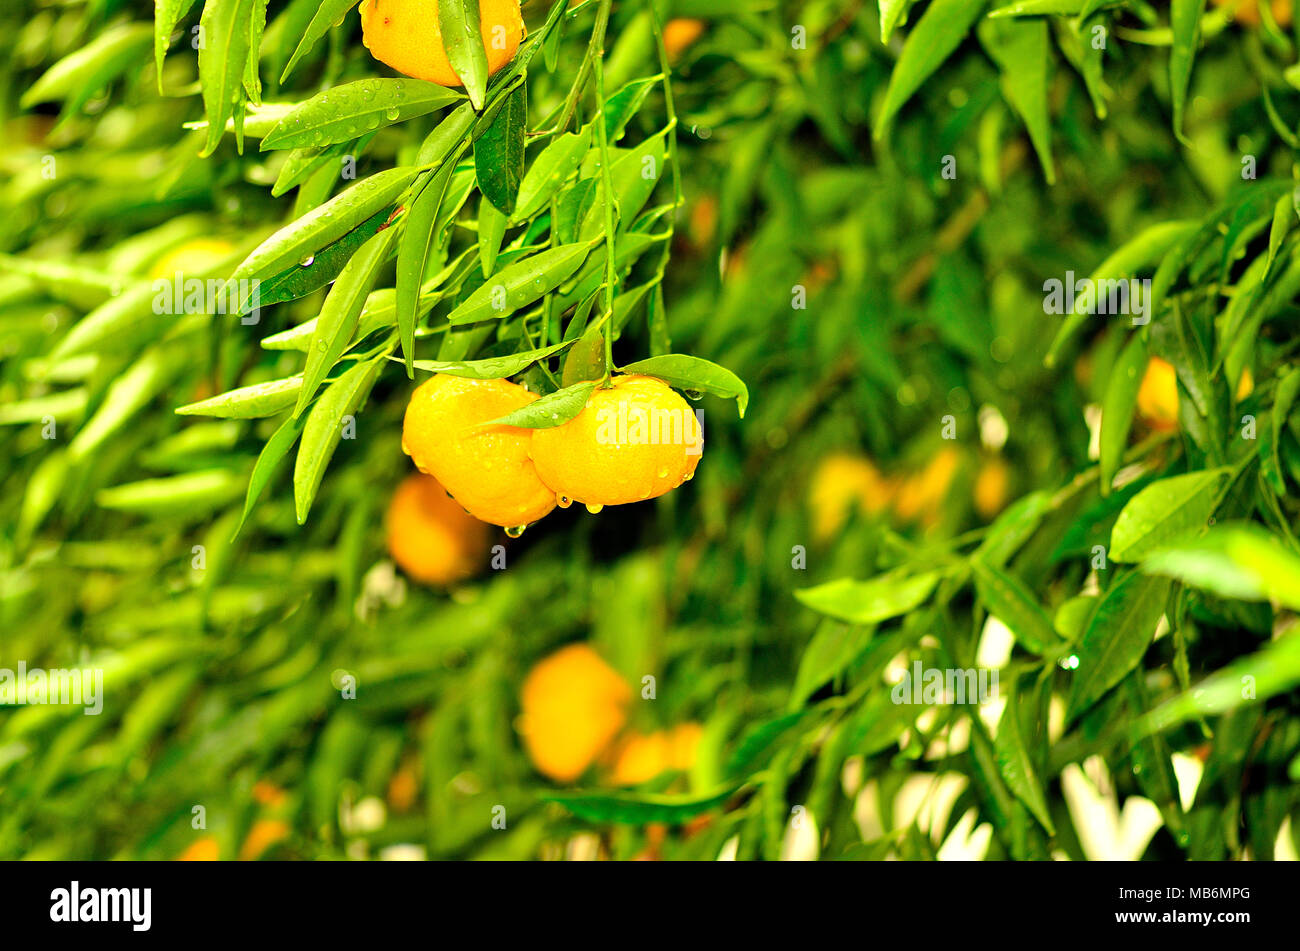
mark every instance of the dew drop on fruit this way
{"type": "Point", "coordinates": [514, 531]}
{"type": "Point", "coordinates": [663, 473]}
{"type": "Point", "coordinates": [688, 477]}
{"type": "Point", "coordinates": [563, 501]}
{"type": "Point", "coordinates": [594, 509]}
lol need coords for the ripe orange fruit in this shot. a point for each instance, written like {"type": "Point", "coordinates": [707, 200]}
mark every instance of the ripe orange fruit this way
{"type": "Point", "coordinates": [921, 496]}
{"type": "Point", "coordinates": [430, 536]}
{"type": "Point", "coordinates": [1247, 11]}
{"type": "Point", "coordinates": [1157, 399]}
{"type": "Point", "coordinates": [573, 704]}
{"type": "Point", "coordinates": [635, 439]}
{"type": "Point", "coordinates": [406, 35]}
{"type": "Point", "coordinates": [680, 33]}
{"type": "Point", "coordinates": [264, 834]}
{"type": "Point", "coordinates": [641, 757]}
{"type": "Point", "coordinates": [195, 259]}
{"type": "Point", "coordinates": [841, 482]}
{"type": "Point", "coordinates": [205, 849]}
{"type": "Point", "coordinates": [991, 487]}
{"type": "Point", "coordinates": [487, 469]}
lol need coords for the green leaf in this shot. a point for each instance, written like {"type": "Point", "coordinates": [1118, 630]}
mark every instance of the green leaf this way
{"type": "Point", "coordinates": [1270, 672]}
{"type": "Point", "coordinates": [1283, 399]}
{"type": "Point", "coordinates": [1165, 510]}
{"type": "Point", "coordinates": [324, 429]}
{"type": "Point", "coordinates": [627, 809]}
{"type": "Point", "coordinates": [81, 74]}
{"type": "Point", "coordinates": [339, 316]}
{"type": "Point", "coordinates": [521, 283]}
{"type": "Point", "coordinates": [633, 177]}
{"type": "Point", "coordinates": [491, 229]}
{"type": "Point", "coordinates": [419, 235]}
{"type": "Point", "coordinates": [1015, 765]}
{"type": "Point", "coordinates": [936, 35]}
{"type": "Point", "coordinates": [695, 374]}
{"type": "Point", "coordinates": [492, 368]}
{"type": "Point", "coordinates": [351, 110]}
{"type": "Point", "coordinates": [1233, 560]}
{"type": "Point", "coordinates": [1019, 47]}
{"type": "Point", "coordinates": [1007, 597]}
{"type": "Point", "coordinates": [554, 409]}
{"type": "Point", "coordinates": [306, 237]}
{"type": "Point", "coordinates": [248, 402]}
{"type": "Point", "coordinates": [869, 602]}
{"type": "Point", "coordinates": [831, 649]}
{"type": "Point", "coordinates": [1013, 528]}
{"type": "Point", "coordinates": [191, 493]}
{"type": "Point", "coordinates": [453, 130]}
{"type": "Point", "coordinates": [269, 461]}
{"type": "Point", "coordinates": [329, 14]}
{"type": "Point", "coordinates": [128, 395]}
{"type": "Point", "coordinates": [1185, 21]}
{"type": "Point", "coordinates": [499, 152]}
{"type": "Point", "coordinates": [760, 744]}
{"type": "Point", "coordinates": [1118, 406]}
{"type": "Point", "coordinates": [586, 361]}
{"type": "Point", "coordinates": [1284, 216]}
{"type": "Point", "coordinates": [461, 26]}
{"type": "Point", "coordinates": [891, 14]}
{"type": "Point", "coordinates": [551, 169]}
{"type": "Point", "coordinates": [225, 28]}
{"type": "Point", "coordinates": [166, 14]}
{"type": "Point", "coordinates": [622, 106]}
{"type": "Point", "coordinates": [1117, 635]}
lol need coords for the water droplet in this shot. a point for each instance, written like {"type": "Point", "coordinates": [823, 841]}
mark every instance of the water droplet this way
{"type": "Point", "coordinates": [594, 509]}
{"type": "Point", "coordinates": [563, 501]}
{"type": "Point", "coordinates": [688, 477]}
{"type": "Point", "coordinates": [307, 260]}
{"type": "Point", "coordinates": [663, 473]}
{"type": "Point", "coordinates": [693, 394]}
{"type": "Point", "coordinates": [515, 531]}
{"type": "Point", "coordinates": [391, 113]}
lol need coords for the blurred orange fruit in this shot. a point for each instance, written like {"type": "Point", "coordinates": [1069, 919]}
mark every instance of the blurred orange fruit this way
{"type": "Point", "coordinates": [196, 259]}
{"type": "Point", "coordinates": [264, 834]}
{"type": "Point", "coordinates": [921, 495]}
{"type": "Point", "coordinates": [406, 35]}
{"type": "Point", "coordinates": [1157, 399]}
{"type": "Point", "coordinates": [641, 757]}
{"type": "Point", "coordinates": [269, 794]}
{"type": "Point", "coordinates": [841, 482]}
{"type": "Point", "coordinates": [573, 705]}
{"type": "Point", "coordinates": [636, 439]}
{"type": "Point", "coordinates": [403, 787]}
{"type": "Point", "coordinates": [205, 849]}
{"type": "Point", "coordinates": [992, 486]}
{"type": "Point", "coordinates": [430, 536]}
{"type": "Point", "coordinates": [680, 33]}
{"type": "Point", "coordinates": [486, 469]}
{"type": "Point", "coordinates": [1247, 11]}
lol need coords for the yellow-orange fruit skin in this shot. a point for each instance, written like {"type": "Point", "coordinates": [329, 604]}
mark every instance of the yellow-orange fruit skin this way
{"type": "Point", "coordinates": [639, 758]}
{"type": "Point", "coordinates": [992, 486]}
{"type": "Point", "coordinates": [841, 482]}
{"type": "Point", "coordinates": [406, 35]}
{"type": "Point", "coordinates": [1157, 399]}
{"type": "Point", "coordinates": [635, 440]}
{"type": "Point", "coordinates": [487, 469]}
{"type": "Point", "coordinates": [679, 34]}
{"type": "Point", "coordinates": [262, 836]}
{"type": "Point", "coordinates": [430, 537]}
{"type": "Point", "coordinates": [921, 496]}
{"type": "Point", "coordinates": [1246, 12]}
{"type": "Point", "coordinates": [573, 704]}
{"type": "Point", "coordinates": [205, 849]}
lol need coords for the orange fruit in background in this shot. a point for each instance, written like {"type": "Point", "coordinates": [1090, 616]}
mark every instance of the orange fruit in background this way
{"type": "Point", "coordinates": [406, 35]}
{"type": "Point", "coordinates": [1157, 399]}
{"type": "Point", "coordinates": [487, 469]}
{"type": "Point", "coordinates": [1247, 11]}
{"type": "Point", "coordinates": [680, 33]}
{"type": "Point", "coordinates": [196, 258]}
{"type": "Point", "coordinates": [430, 536]}
{"type": "Point", "coordinates": [841, 482]}
{"type": "Point", "coordinates": [264, 834]}
{"type": "Point", "coordinates": [205, 849]}
{"type": "Point", "coordinates": [635, 440]}
{"type": "Point", "coordinates": [641, 757]}
{"type": "Point", "coordinates": [573, 705]}
{"type": "Point", "coordinates": [921, 495]}
{"type": "Point", "coordinates": [992, 486]}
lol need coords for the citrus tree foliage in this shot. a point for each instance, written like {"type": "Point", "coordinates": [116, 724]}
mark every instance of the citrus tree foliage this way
{"type": "Point", "coordinates": [840, 219]}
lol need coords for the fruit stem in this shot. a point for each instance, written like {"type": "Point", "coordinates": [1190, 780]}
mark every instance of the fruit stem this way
{"type": "Point", "coordinates": [598, 41]}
